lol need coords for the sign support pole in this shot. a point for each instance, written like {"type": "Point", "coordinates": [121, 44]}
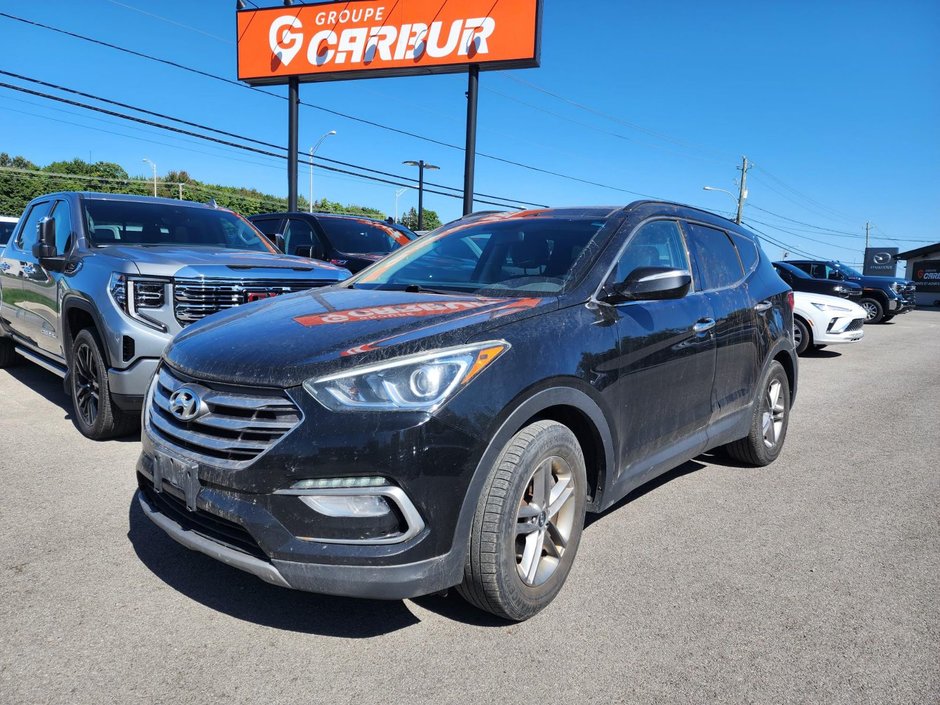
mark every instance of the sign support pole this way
{"type": "Point", "coordinates": [471, 149]}
{"type": "Point", "coordinates": [293, 102]}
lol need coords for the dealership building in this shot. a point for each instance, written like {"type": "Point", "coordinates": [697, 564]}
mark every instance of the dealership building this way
{"type": "Point", "coordinates": [923, 268]}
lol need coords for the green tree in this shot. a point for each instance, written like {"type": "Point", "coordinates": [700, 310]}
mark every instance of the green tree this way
{"type": "Point", "coordinates": [410, 219]}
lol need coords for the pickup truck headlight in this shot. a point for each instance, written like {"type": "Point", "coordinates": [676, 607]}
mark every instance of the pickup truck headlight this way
{"type": "Point", "coordinates": [413, 383]}
{"type": "Point", "coordinates": [132, 294]}
{"type": "Point", "coordinates": [830, 307]}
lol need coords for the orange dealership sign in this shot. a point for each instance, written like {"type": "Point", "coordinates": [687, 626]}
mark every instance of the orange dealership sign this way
{"type": "Point", "coordinates": [371, 38]}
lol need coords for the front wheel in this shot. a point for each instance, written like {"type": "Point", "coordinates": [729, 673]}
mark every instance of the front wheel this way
{"type": "Point", "coordinates": [769, 422]}
{"type": "Point", "coordinates": [528, 523]}
{"type": "Point", "coordinates": [874, 311]}
{"type": "Point", "coordinates": [802, 338]}
{"type": "Point", "coordinates": [96, 415]}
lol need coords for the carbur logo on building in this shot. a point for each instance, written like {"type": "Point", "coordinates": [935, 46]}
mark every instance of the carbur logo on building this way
{"type": "Point", "coordinates": [365, 38]}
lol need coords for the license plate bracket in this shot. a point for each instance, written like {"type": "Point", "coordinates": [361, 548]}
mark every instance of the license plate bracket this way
{"type": "Point", "coordinates": [182, 475]}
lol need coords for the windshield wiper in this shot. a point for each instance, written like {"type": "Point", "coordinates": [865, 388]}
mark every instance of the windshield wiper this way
{"type": "Point", "coordinates": [418, 289]}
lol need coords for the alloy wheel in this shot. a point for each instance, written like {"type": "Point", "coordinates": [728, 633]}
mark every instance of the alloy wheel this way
{"type": "Point", "coordinates": [870, 310]}
{"type": "Point", "coordinates": [774, 413]}
{"type": "Point", "coordinates": [86, 383]}
{"type": "Point", "coordinates": [545, 520]}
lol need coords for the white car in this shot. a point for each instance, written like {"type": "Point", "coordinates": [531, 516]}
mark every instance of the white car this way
{"type": "Point", "coordinates": [820, 320]}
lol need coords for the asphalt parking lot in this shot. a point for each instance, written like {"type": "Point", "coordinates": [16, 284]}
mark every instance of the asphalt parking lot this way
{"type": "Point", "coordinates": [815, 580]}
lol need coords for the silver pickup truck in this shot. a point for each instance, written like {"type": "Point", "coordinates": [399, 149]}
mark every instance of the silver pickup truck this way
{"type": "Point", "coordinates": [93, 287]}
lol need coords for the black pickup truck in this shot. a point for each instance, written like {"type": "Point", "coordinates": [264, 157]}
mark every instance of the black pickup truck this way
{"type": "Point", "coordinates": [883, 298]}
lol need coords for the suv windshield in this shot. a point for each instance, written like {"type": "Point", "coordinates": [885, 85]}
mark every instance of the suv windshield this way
{"type": "Point", "coordinates": [845, 269]}
{"type": "Point", "coordinates": [521, 256]}
{"type": "Point", "coordinates": [354, 236]}
{"type": "Point", "coordinates": [134, 223]}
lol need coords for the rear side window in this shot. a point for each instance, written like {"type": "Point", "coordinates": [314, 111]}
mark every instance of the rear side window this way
{"type": "Point", "coordinates": [718, 261]}
{"type": "Point", "coordinates": [6, 229]}
{"type": "Point", "coordinates": [747, 250]}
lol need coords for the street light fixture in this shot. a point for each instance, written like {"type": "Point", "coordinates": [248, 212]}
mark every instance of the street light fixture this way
{"type": "Point", "coordinates": [313, 150]}
{"type": "Point", "coordinates": [398, 194]}
{"type": "Point", "coordinates": [422, 165]}
{"type": "Point", "coordinates": [154, 167]}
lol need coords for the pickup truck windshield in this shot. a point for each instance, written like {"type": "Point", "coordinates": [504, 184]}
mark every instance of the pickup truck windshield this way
{"type": "Point", "coordinates": [515, 256]}
{"type": "Point", "coordinates": [149, 224]}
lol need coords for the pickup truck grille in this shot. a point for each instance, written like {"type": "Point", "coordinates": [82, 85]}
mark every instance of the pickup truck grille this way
{"type": "Point", "coordinates": [240, 423]}
{"type": "Point", "coordinates": [194, 299]}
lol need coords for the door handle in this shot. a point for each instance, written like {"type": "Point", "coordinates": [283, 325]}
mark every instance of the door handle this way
{"type": "Point", "coordinates": [763, 306]}
{"type": "Point", "coordinates": [704, 325]}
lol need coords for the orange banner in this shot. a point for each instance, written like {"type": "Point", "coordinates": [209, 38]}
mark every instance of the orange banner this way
{"type": "Point", "coordinates": [370, 38]}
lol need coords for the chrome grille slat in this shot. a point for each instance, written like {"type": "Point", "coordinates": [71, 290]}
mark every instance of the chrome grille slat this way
{"type": "Point", "coordinates": [194, 299]}
{"type": "Point", "coordinates": [241, 422]}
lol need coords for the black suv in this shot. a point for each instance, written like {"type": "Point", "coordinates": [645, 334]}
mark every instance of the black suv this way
{"type": "Point", "coordinates": [350, 241]}
{"type": "Point", "coordinates": [883, 298]}
{"type": "Point", "coordinates": [801, 281]}
{"type": "Point", "coordinates": [447, 418]}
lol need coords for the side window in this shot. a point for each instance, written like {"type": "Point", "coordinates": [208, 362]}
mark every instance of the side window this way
{"type": "Point", "coordinates": [718, 261]}
{"type": "Point", "coordinates": [656, 244]}
{"type": "Point", "coordinates": [63, 227]}
{"type": "Point", "coordinates": [269, 226]}
{"type": "Point", "coordinates": [747, 249]}
{"type": "Point", "coordinates": [29, 233]}
{"type": "Point", "coordinates": [808, 268]}
{"type": "Point", "coordinates": [299, 239]}
{"type": "Point", "coordinates": [817, 271]}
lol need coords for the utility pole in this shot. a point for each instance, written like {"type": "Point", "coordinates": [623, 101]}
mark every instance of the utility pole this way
{"type": "Point", "coordinates": [742, 191]}
{"type": "Point", "coordinates": [867, 233]}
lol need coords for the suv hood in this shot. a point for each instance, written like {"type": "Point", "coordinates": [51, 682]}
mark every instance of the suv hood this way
{"type": "Point", "coordinates": [281, 342]}
{"type": "Point", "coordinates": [220, 262]}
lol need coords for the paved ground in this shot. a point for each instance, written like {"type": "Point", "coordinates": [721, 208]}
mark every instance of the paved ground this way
{"type": "Point", "coordinates": [816, 580]}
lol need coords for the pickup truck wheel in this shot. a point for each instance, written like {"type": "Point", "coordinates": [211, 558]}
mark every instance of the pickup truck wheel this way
{"type": "Point", "coordinates": [528, 523]}
{"type": "Point", "coordinates": [96, 415]}
{"type": "Point", "coordinates": [802, 338]}
{"type": "Point", "coordinates": [8, 356]}
{"type": "Point", "coordinates": [769, 423]}
{"type": "Point", "coordinates": [874, 311]}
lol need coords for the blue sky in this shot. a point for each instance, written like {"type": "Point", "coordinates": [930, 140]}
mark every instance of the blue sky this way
{"type": "Point", "coordinates": [836, 103]}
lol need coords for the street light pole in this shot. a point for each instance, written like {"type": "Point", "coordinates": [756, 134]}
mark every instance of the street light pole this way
{"type": "Point", "coordinates": [154, 167]}
{"type": "Point", "coordinates": [422, 165]}
{"type": "Point", "coordinates": [713, 188]}
{"type": "Point", "coordinates": [398, 194]}
{"type": "Point", "coordinates": [742, 190]}
{"type": "Point", "coordinates": [313, 150]}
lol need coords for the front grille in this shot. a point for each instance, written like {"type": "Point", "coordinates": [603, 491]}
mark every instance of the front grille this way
{"type": "Point", "coordinates": [194, 299]}
{"type": "Point", "coordinates": [200, 522]}
{"type": "Point", "coordinates": [855, 325]}
{"type": "Point", "coordinates": [241, 422]}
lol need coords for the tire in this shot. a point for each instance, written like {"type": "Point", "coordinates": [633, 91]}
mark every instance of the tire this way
{"type": "Point", "coordinates": [510, 570]}
{"type": "Point", "coordinates": [887, 317]}
{"type": "Point", "coordinates": [769, 423]}
{"type": "Point", "coordinates": [94, 412]}
{"type": "Point", "coordinates": [874, 311]}
{"type": "Point", "coordinates": [8, 356]}
{"type": "Point", "coordinates": [802, 336]}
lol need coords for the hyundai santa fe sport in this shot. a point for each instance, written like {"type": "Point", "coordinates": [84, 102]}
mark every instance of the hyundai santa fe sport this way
{"type": "Point", "coordinates": [447, 416]}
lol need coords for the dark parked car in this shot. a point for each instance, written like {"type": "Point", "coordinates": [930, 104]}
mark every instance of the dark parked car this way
{"type": "Point", "coordinates": [413, 432]}
{"type": "Point", "coordinates": [801, 281]}
{"type": "Point", "coordinates": [883, 298]}
{"type": "Point", "coordinates": [349, 241]}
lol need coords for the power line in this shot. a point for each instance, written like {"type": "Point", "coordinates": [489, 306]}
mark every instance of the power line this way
{"type": "Point", "coordinates": [831, 230]}
{"type": "Point", "coordinates": [782, 245]}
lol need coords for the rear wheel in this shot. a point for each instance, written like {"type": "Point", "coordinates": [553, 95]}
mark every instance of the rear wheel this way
{"type": "Point", "coordinates": [528, 523]}
{"type": "Point", "coordinates": [96, 415]}
{"type": "Point", "coordinates": [887, 317]}
{"type": "Point", "coordinates": [769, 423]}
{"type": "Point", "coordinates": [8, 356]}
{"type": "Point", "coordinates": [874, 311]}
{"type": "Point", "coordinates": [802, 337]}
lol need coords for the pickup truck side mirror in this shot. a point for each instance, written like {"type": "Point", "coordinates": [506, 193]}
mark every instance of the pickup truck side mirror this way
{"type": "Point", "coordinates": [650, 284]}
{"type": "Point", "coordinates": [44, 248]}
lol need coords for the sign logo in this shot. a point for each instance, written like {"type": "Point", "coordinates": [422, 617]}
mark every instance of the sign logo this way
{"type": "Point", "coordinates": [369, 38]}
{"type": "Point", "coordinates": [186, 405]}
{"type": "Point", "coordinates": [880, 261]}
{"type": "Point", "coordinates": [881, 258]}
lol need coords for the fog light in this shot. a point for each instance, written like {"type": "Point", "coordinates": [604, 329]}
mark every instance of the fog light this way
{"type": "Point", "coordinates": [339, 483]}
{"type": "Point", "coordinates": [347, 506]}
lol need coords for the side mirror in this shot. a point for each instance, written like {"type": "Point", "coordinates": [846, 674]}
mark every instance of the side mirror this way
{"type": "Point", "coordinates": [651, 284]}
{"type": "Point", "coordinates": [279, 241]}
{"type": "Point", "coordinates": [45, 242]}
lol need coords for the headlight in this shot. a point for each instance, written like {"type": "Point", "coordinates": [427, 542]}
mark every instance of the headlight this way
{"type": "Point", "coordinates": [830, 307]}
{"type": "Point", "coordinates": [896, 286]}
{"type": "Point", "coordinates": [414, 383]}
{"type": "Point", "coordinates": [132, 294]}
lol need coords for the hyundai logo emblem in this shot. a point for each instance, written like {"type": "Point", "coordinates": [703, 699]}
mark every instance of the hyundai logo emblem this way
{"type": "Point", "coordinates": [186, 405]}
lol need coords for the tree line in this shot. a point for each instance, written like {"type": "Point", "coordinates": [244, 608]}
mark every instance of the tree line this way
{"type": "Point", "coordinates": [21, 181]}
